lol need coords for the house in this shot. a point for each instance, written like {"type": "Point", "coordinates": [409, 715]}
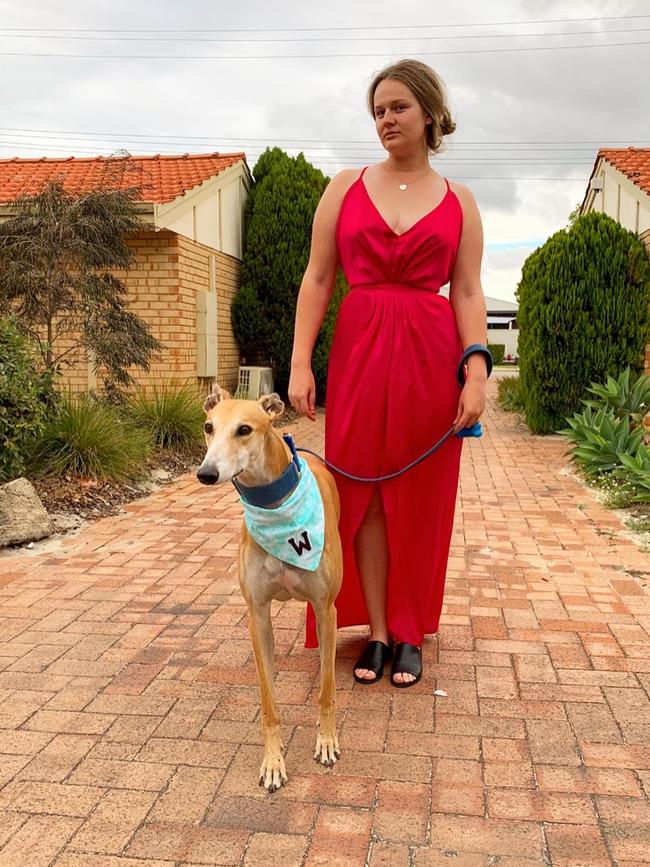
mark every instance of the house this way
{"type": "Point", "coordinates": [501, 322]}
{"type": "Point", "coordinates": [186, 269]}
{"type": "Point", "coordinates": [619, 186]}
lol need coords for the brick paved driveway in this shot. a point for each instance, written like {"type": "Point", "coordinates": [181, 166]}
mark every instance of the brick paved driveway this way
{"type": "Point", "coordinates": [129, 725]}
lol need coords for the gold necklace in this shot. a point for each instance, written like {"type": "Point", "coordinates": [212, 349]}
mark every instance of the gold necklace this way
{"type": "Point", "coordinates": [404, 186]}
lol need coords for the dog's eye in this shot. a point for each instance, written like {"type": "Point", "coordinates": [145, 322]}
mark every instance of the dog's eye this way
{"type": "Point", "coordinates": [207, 427]}
{"type": "Point", "coordinates": [243, 430]}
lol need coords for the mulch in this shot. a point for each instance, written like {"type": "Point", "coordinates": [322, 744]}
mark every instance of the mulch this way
{"type": "Point", "coordinates": [90, 499]}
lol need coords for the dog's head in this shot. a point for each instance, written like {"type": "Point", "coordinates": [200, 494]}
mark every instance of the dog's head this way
{"type": "Point", "coordinates": [235, 431]}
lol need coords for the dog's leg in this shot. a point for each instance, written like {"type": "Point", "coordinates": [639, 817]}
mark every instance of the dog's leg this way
{"type": "Point", "coordinates": [272, 772]}
{"type": "Point", "coordinates": [327, 745]}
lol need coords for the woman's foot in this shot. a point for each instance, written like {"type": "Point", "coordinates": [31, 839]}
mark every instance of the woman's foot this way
{"type": "Point", "coordinates": [406, 669]}
{"type": "Point", "coordinates": [369, 667]}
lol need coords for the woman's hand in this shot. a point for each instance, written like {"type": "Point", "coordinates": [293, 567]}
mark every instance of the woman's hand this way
{"type": "Point", "coordinates": [302, 391]}
{"type": "Point", "coordinates": [471, 403]}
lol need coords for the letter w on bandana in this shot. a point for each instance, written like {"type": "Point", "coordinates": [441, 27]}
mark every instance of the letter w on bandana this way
{"type": "Point", "coordinates": [294, 531]}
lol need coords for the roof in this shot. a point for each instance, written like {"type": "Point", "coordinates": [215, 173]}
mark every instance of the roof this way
{"type": "Point", "coordinates": [162, 178]}
{"type": "Point", "coordinates": [498, 304]}
{"type": "Point", "coordinates": [632, 162]}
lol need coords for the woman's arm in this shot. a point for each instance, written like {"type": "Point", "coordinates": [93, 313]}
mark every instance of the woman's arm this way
{"type": "Point", "coordinates": [465, 291]}
{"type": "Point", "coordinates": [315, 291]}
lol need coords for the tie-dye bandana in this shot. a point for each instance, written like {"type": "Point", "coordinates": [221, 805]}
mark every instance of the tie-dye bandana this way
{"type": "Point", "coordinates": [294, 532]}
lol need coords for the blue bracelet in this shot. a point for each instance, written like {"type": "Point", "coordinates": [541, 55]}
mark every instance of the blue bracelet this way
{"type": "Point", "coordinates": [475, 347]}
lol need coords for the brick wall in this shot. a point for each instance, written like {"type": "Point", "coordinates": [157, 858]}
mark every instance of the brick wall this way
{"type": "Point", "coordinates": [167, 271]}
{"type": "Point", "coordinates": [194, 274]}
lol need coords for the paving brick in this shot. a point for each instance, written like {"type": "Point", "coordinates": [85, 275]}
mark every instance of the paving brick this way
{"type": "Point", "coordinates": [85, 859]}
{"type": "Point", "coordinates": [38, 841]}
{"type": "Point", "coordinates": [573, 844]}
{"type": "Point", "coordinates": [148, 776]}
{"type": "Point", "coordinates": [341, 836]}
{"type": "Point", "coordinates": [185, 843]}
{"type": "Point", "coordinates": [505, 750]}
{"type": "Point", "coordinates": [424, 744]}
{"type": "Point", "coordinates": [626, 826]}
{"type": "Point", "coordinates": [601, 781]}
{"type": "Point", "coordinates": [272, 816]}
{"type": "Point", "coordinates": [35, 797]}
{"type": "Point", "coordinates": [517, 774]}
{"type": "Point", "coordinates": [58, 758]}
{"type": "Point", "coordinates": [265, 849]}
{"type": "Point", "coordinates": [112, 822]}
{"type": "Point", "coordinates": [426, 857]}
{"type": "Point", "coordinates": [486, 836]}
{"type": "Point", "coordinates": [389, 855]}
{"type": "Point", "coordinates": [594, 722]}
{"type": "Point", "coordinates": [552, 742]}
{"type": "Point", "coordinates": [448, 797]}
{"type": "Point", "coordinates": [126, 672]}
{"type": "Point", "coordinates": [187, 796]}
{"type": "Point", "coordinates": [402, 812]}
{"type": "Point", "coordinates": [540, 806]}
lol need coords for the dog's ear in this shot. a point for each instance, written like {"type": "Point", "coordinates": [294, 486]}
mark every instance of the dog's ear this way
{"type": "Point", "coordinates": [272, 405]}
{"type": "Point", "coordinates": [216, 396]}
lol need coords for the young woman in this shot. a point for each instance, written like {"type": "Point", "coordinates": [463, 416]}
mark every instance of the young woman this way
{"type": "Point", "coordinates": [400, 231]}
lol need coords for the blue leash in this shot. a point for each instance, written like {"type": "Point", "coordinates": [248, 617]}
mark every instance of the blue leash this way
{"type": "Point", "coordinates": [472, 431]}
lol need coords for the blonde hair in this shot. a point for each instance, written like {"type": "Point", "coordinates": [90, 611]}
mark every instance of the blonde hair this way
{"type": "Point", "coordinates": [428, 89]}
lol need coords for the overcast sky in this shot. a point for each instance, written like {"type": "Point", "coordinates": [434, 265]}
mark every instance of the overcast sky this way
{"type": "Point", "coordinates": [529, 122]}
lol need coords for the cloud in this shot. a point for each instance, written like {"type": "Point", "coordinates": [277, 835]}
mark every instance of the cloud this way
{"type": "Point", "coordinates": [575, 100]}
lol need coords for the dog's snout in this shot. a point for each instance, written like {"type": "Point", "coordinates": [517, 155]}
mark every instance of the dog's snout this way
{"type": "Point", "coordinates": [207, 477]}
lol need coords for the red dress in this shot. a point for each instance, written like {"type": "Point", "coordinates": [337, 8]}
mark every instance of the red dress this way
{"type": "Point", "coordinates": [392, 393]}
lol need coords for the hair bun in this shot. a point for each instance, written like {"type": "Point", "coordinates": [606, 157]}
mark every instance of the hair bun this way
{"type": "Point", "coordinates": [447, 125]}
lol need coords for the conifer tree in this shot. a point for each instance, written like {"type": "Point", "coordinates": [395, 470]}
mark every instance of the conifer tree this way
{"type": "Point", "coordinates": [583, 298]}
{"type": "Point", "coordinates": [278, 223]}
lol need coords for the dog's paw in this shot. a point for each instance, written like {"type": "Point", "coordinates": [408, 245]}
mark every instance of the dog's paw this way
{"type": "Point", "coordinates": [273, 773]}
{"type": "Point", "coordinates": [327, 749]}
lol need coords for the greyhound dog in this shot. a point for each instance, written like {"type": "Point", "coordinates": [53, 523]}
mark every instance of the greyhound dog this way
{"type": "Point", "coordinates": [245, 448]}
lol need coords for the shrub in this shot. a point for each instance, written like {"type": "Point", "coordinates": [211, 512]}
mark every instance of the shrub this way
{"type": "Point", "coordinates": [601, 438]}
{"type": "Point", "coordinates": [25, 395]}
{"type": "Point", "coordinates": [58, 254]}
{"type": "Point", "coordinates": [624, 398]}
{"type": "Point", "coordinates": [171, 415]}
{"type": "Point", "coordinates": [89, 439]}
{"type": "Point", "coordinates": [636, 469]}
{"type": "Point", "coordinates": [583, 315]}
{"type": "Point", "coordinates": [277, 238]}
{"type": "Point", "coordinates": [497, 351]}
{"type": "Point", "coordinates": [250, 326]}
{"type": "Point", "coordinates": [509, 394]}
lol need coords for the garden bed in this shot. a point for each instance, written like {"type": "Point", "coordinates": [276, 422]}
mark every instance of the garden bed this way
{"type": "Point", "coordinates": [90, 500]}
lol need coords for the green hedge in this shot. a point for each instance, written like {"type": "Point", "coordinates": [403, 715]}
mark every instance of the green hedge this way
{"type": "Point", "coordinates": [25, 395]}
{"type": "Point", "coordinates": [277, 239]}
{"type": "Point", "coordinates": [583, 315]}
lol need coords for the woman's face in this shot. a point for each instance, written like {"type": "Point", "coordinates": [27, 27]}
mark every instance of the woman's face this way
{"type": "Point", "coordinates": [399, 119]}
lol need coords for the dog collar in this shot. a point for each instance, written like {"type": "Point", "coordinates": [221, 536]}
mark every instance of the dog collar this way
{"type": "Point", "coordinates": [266, 496]}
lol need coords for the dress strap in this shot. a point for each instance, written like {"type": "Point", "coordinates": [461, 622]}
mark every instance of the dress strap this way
{"type": "Point", "coordinates": [448, 187]}
{"type": "Point", "coordinates": [362, 172]}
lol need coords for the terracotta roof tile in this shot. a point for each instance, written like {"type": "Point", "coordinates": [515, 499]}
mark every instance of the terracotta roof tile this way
{"type": "Point", "coordinates": [632, 162]}
{"type": "Point", "coordinates": [162, 178]}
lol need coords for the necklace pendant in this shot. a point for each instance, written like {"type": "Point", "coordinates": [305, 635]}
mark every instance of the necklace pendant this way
{"type": "Point", "coordinates": [402, 186]}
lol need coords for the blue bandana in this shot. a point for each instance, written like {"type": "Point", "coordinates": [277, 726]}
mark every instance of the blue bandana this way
{"type": "Point", "coordinates": [294, 531]}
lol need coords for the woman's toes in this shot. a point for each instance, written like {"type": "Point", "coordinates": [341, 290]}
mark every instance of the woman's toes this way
{"type": "Point", "coordinates": [364, 673]}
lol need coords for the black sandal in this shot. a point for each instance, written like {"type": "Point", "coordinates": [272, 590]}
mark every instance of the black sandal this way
{"type": "Point", "coordinates": [406, 660]}
{"type": "Point", "coordinates": [373, 658]}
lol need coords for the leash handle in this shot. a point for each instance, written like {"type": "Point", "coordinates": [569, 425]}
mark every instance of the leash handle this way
{"type": "Point", "coordinates": [474, 430]}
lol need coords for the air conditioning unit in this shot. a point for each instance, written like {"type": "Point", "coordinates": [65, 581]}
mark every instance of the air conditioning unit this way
{"type": "Point", "coordinates": [254, 382]}
{"type": "Point", "coordinates": [596, 184]}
